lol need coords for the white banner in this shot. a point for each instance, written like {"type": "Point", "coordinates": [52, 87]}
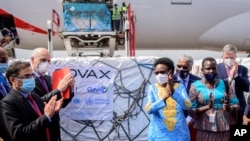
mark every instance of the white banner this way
{"type": "Point", "coordinates": [93, 93]}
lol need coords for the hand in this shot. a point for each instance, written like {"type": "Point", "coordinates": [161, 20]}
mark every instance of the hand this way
{"type": "Point", "coordinates": [226, 106]}
{"type": "Point", "coordinates": [245, 120]}
{"type": "Point", "coordinates": [65, 82]}
{"type": "Point", "coordinates": [169, 87]}
{"type": "Point", "coordinates": [59, 104]}
{"type": "Point", "coordinates": [211, 101]}
{"type": "Point", "coordinates": [234, 70]}
{"type": "Point", "coordinates": [49, 108]}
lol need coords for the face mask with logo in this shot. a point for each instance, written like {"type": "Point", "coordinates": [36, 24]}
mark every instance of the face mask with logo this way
{"type": "Point", "coordinates": [229, 62]}
{"type": "Point", "coordinates": [162, 78]}
{"type": "Point", "coordinates": [183, 73]}
{"type": "Point", "coordinates": [210, 76]}
{"type": "Point", "coordinates": [43, 67]}
{"type": "Point", "coordinates": [3, 67]}
{"type": "Point", "coordinates": [28, 84]}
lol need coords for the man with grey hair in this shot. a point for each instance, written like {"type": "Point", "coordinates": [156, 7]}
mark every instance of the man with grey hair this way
{"type": "Point", "coordinates": [236, 75]}
{"type": "Point", "coordinates": [183, 75]}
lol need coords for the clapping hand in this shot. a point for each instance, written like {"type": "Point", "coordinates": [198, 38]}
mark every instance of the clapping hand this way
{"type": "Point", "coordinates": [59, 104]}
{"type": "Point", "coordinates": [49, 108]}
{"type": "Point", "coordinates": [226, 106]}
{"type": "Point", "coordinates": [211, 101]}
{"type": "Point", "coordinates": [246, 120]}
{"type": "Point", "coordinates": [169, 86]}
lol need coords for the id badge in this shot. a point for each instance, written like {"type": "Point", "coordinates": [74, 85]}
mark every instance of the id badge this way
{"type": "Point", "coordinates": [212, 117]}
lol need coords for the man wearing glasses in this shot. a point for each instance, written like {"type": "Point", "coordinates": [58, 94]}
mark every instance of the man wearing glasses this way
{"type": "Point", "coordinates": [23, 114]}
{"type": "Point", "coordinates": [183, 75]}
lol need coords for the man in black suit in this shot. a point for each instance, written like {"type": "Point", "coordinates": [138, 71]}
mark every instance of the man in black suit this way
{"type": "Point", "coordinates": [23, 114]}
{"type": "Point", "coordinates": [236, 75]}
{"type": "Point", "coordinates": [183, 75]}
{"type": "Point", "coordinates": [40, 61]}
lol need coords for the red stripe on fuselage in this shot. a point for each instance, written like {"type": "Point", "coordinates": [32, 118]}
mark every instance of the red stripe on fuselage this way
{"type": "Point", "coordinates": [24, 25]}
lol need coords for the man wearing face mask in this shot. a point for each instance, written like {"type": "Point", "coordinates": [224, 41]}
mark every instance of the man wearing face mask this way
{"type": "Point", "coordinates": [183, 75]}
{"type": "Point", "coordinates": [40, 61]}
{"type": "Point", "coordinates": [24, 115]}
{"type": "Point", "coordinates": [4, 88]}
{"type": "Point", "coordinates": [166, 101]}
{"type": "Point", "coordinates": [236, 75]}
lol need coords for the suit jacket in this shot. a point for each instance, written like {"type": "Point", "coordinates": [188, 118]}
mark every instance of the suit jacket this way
{"type": "Point", "coordinates": [40, 90]}
{"type": "Point", "coordinates": [192, 78]}
{"type": "Point", "coordinates": [241, 81]}
{"type": "Point", "coordinates": [19, 120]}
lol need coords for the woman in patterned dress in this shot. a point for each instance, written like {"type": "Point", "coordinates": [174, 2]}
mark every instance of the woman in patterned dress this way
{"type": "Point", "coordinates": [212, 104]}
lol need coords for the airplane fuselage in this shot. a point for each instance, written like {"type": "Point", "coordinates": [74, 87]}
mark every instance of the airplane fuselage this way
{"type": "Point", "coordinates": [200, 24]}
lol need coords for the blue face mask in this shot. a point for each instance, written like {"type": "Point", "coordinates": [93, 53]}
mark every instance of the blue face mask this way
{"type": "Point", "coordinates": [28, 84]}
{"type": "Point", "coordinates": [3, 67]}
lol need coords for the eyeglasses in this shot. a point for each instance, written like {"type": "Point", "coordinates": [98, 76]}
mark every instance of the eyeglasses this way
{"type": "Point", "coordinates": [26, 76]}
{"type": "Point", "coordinates": [161, 72]}
{"type": "Point", "coordinates": [184, 67]}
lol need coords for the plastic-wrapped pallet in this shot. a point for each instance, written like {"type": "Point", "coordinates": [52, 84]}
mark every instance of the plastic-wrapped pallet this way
{"type": "Point", "coordinates": [86, 17]}
{"type": "Point", "coordinates": [86, 119]}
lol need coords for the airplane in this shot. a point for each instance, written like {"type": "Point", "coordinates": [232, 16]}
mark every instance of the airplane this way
{"type": "Point", "coordinates": [160, 24]}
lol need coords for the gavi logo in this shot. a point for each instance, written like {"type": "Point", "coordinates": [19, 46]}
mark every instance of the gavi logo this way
{"type": "Point", "coordinates": [98, 90]}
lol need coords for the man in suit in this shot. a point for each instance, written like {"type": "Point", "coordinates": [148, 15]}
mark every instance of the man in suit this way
{"type": "Point", "coordinates": [40, 61]}
{"type": "Point", "coordinates": [183, 75]}
{"type": "Point", "coordinates": [236, 75]}
{"type": "Point", "coordinates": [4, 87]}
{"type": "Point", "coordinates": [23, 114]}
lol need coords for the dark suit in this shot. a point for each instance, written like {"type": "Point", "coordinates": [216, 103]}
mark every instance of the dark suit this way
{"type": "Point", "coordinates": [241, 85]}
{"type": "Point", "coordinates": [20, 121]}
{"type": "Point", "coordinates": [40, 90]}
{"type": "Point", "coordinates": [192, 78]}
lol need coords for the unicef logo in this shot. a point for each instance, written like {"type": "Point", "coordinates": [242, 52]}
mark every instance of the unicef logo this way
{"type": "Point", "coordinates": [76, 101]}
{"type": "Point", "coordinates": [102, 89]}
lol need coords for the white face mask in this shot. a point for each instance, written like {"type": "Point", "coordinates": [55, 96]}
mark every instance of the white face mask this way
{"type": "Point", "coordinates": [43, 67]}
{"type": "Point", "coordinates": [229, 62]}
{"type": "Point", "coordinates": [162, 78]}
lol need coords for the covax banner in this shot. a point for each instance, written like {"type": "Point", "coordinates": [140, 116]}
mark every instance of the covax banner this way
{"type": "Point", "coordinates": [93, 92]}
